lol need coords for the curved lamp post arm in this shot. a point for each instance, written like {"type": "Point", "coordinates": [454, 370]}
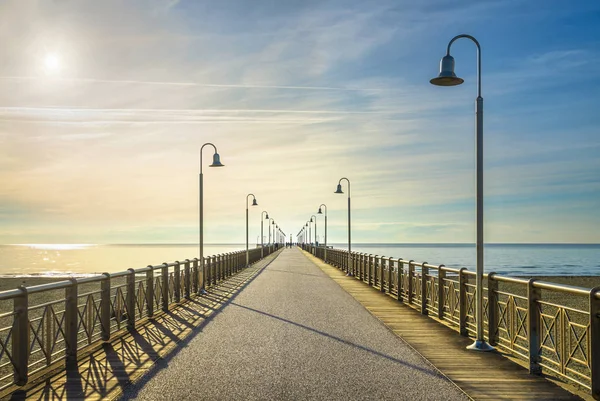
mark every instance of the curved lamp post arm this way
{"type": "Point", "coordinates": [248, 196]}
{"type": "Point", "coordinates": [348, 181]}
{"type": "Point", "coordinates": [201, 148]}
{"type": "Point", "coordinates": [478, 57]}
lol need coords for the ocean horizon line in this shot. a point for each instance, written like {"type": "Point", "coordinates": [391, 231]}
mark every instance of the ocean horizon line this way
{"type": "Point", "coordinates": [331, 243]}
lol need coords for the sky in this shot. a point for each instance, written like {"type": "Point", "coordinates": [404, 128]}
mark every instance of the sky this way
{"type": "Point", "coordinates": [104, 106]}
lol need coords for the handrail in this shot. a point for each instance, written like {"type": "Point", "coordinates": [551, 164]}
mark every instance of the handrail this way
{"type": "Point", "coordinates": [57, 328]}
{"type": "Point", "coordinates": [552, 337]}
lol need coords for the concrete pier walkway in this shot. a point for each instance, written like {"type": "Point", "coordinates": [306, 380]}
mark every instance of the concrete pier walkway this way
{"type": "Point", "coordinates": [293, 334]}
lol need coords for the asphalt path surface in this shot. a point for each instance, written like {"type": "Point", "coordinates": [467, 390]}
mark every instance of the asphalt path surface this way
{"type": "Point", "coordinates": [294, 334]}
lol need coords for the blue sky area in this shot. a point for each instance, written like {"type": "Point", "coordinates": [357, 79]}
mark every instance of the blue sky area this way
{"type": "Point", "coordinates": [104, 106]}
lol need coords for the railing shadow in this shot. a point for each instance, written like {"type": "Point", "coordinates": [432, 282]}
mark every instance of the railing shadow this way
{"type": "Point", "coordinates": [431, 372]}
{"type": "Point", "coordinates": [142, 351]}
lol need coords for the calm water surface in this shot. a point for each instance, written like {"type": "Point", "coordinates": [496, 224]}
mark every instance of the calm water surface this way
{"type": "Point", "coordinates": [521, 259]}
{"type": "Point", "coordinates": [509, 259]}
{"type": "Point", "coordinates": [82, 260]}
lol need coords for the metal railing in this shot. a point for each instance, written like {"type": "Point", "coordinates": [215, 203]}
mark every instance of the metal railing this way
{"type": "Point", "coordinates": [44, 324]}
{"type": "Point", "coordinates": [554, 328]}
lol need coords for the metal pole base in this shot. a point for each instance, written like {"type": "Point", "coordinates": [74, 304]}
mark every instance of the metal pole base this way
{"type": "Point", "coordinates": [480, 345]}
{"type": "Point", "coordinates": [202, 291]}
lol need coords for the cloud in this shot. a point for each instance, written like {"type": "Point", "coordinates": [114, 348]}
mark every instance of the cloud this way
{"type": "Point", "coordinates": [294, 98]}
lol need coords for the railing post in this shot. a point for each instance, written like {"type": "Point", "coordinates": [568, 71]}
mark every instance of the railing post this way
{"type": "Point", "coordinates": [213, 269]}
{"type": "Point", "coordinates": [186, 283]}
{"type": "Point", "coordinates": [164, 272]}
{"type": "Point", "coordinates": [195, 277]}
{"type": "Point", "coordinates": [411, 273]}
{"type": "Point", "coordinates": [71, 322]}
{"type": "Point", "coordinates": [462, 302]}
{"type": "Point", "coordinates": [382, 274]}
{"type": "Point", "coordinates": [492, 309]}
{"type": "Point", "coordinates": [208, 270]}
{"type": "Point", "coordinates": [533, 327]}
{"type": "Point", "coordinates": [150, 291]}
{"type": "Point", "coordinates": [20, 339]}
{"type": "Point", "coordinates": [594, 337]}
{"type": "Point", "coordinates": [390, 270]}
{"type": "Point", "coordinates": [369, 264]}
{"type": "Point", "coordinates": [221, 265]}
{"type": "Point", "coordinates": [177, 282]}
{"type": "Point", "coordinates": [441, 294]}
{"type": "Point", "coordinates": [130, 299]}
{"type": "Point", "coordinates": [375, 266]}
{"type": "Point", "coordinates": [399, 281]}
{"type": "Point", "coordinates": [105, 307]}
{"type": "Point", "coordinates": [424, 274]}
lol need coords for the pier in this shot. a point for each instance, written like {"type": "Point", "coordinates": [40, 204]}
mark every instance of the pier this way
{"type": "Point", "coordinates": [291, 326]}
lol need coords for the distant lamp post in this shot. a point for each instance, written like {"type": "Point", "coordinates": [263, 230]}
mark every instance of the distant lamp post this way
{"type": "Point", "coordinates": [447, 77]}
{"type": "Point", "coordinates": [313, 219]}
{"type": "Point", "coordinates": [339, 191]}
{"type": "Point", "coordinates": [308, 229]}
{"type": "Point", "coordinates": [264, 215]}
{"type": "Point", "coordinates": [272, 222]}
{"type": "Point", "coordinates": [216, 163]}
{"type": "Point", "coordinates": [321, 212]}
{"type": "Point", "coordinates": [253, 204]}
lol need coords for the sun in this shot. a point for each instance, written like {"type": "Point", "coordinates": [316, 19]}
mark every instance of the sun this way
{"type": "Point", "coordinates": [52, 63]}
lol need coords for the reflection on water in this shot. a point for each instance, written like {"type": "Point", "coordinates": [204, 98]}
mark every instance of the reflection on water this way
{"type": "Point", "coordinates": [55, 260]}
{"type": "Point", "coordinates": [55, 246]}
{"type": "Point", "coordinates": [80, 260]}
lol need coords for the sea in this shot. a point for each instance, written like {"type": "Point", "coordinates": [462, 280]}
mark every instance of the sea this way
{"type": "Point", "coordinates": [81, 260]}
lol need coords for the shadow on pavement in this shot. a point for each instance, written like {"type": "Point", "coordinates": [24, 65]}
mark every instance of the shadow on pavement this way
{"type": "Point", "coordinates": [431, 372]}
{"type": "Point", "coordinates": [136, 353]}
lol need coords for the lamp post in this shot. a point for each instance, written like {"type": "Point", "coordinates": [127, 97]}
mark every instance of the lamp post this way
{"type": "Point", "coordinates": [308, 229]}
{"type": "Point", "coordinates": [253, 204]}
{"type": "Point", "coordinates": [262, 219]}
{"type": "Point", "coordinates": [271, 221]}
{"type": "Point", "coordinates": [321, 212]}
{"type": "Point", "coordinates": [216, 163]}
{"type": "Point", "coordinates": [339, 191]}
{"type": "Point", "coordinates": [313, 219]}
{"type": "Point", "coordinates": [447, 77]}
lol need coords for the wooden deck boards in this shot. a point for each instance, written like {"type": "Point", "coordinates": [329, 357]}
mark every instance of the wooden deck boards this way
{"type": "Point", "coordinates": [482, 376]}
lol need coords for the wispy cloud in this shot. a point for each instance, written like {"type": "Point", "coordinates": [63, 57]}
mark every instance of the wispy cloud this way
{"type": "Point", "coordinates": [295, 98]}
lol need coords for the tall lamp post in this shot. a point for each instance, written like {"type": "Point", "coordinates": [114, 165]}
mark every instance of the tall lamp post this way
{"type": "Point", "coordinates": [447, 77]}
{"type": "Point", "coordinates": [321, 212]}
{"type": "Point", "coordinates": [308, 229]}
{"type": "Point", "coordinates": [262, 219]}
{"type": "Point", "coordinates": [216, 163]}
{"type": "Point", "coordinates": [313, 219]}
{"type": "Point", "coordinates": [339, 191]}
{"type": "Point", "coordinates": [253, 204]}
{"type": "Point", "coordinates": [271, 221]}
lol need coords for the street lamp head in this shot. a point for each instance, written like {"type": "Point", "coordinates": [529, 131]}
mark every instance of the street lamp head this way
{"type": "Point", "coordinates": [254, 202]}
{"type": "Point", "coordinates": [267, 217]}
{"type": "Point", "coordinates": [319, 212]}
{"type": "Point", "coordinates": [339, 189]}
{"type": "Point", "coordinates": [216, 161]}
{"type": "Point", "coordinates": [447, 76]}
